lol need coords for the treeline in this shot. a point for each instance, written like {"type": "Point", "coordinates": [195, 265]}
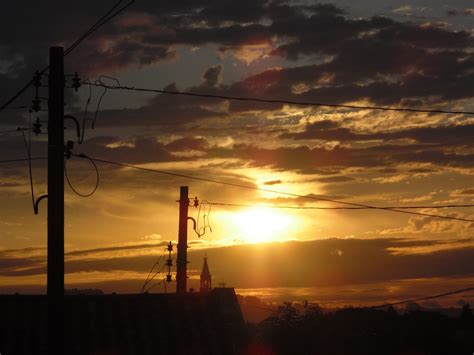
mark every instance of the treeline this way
{"type": "Point", "coordinates": [354, 331]}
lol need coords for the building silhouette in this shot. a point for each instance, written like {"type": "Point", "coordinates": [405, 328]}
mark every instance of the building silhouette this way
{"type": "Point", "coordinates": [206, 278]}
{"type": "Point", "coordinates": [121, 324]}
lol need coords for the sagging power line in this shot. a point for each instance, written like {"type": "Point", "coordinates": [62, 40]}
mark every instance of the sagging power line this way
{"type": "Point", "coordinates": [355, 206]}
{"type": "Point", "coordinates": [19, 160]}
{"type": "Point", "coordinates": [310, 197]}
{"type": "Point", "coordinates": [74, 189]}
{"type": "Point", "coordinates": [109, 15]}
{"type": "Point", "coordinates": [227, 204]}
{"type": "Point", "coordinates": [425, 298]}
{"type": "Point", "coordinates": [278, 101]}
{"type": "Point", "coordinates": [16, 130]}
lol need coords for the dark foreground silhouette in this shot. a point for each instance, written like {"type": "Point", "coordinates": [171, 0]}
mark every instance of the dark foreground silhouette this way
{"type": "Point", "coordinates": [211, 323]}
{"type": "Point", "coordinates": [141, 324]}
{"type": "Point", "coordinates": [354, 331]}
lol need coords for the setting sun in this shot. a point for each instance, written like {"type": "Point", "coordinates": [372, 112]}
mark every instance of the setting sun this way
{"type": "Point", "coordinates": [261, 224]}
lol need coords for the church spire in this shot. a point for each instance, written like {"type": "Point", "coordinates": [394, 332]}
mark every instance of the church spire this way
{"type": "Point", "coordinates": [206, 280]}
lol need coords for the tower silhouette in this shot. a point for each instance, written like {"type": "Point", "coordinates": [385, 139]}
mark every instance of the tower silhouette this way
{"type": "Point", "coordinates": [206, 280]}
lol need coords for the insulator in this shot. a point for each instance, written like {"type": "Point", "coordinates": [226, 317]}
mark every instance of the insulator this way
{"type": "Point", "coordinates": [36, 105]}
{"type": "Point", "coordinates": [68, 149]}
{"type": "Point", "coordinates": [169, 278]}
{"type": "Point", "coordinates": [37, 126]}
{"type": "Point", "coordinates": [169, 262]}
{"type": "Point", "coordinates": [37, 79]}
{"type": "Point", "coordinates": [76, 82]}
{"type": "Point", "coordinates": [170, 247]}
{"type": "Point", "coordinates": [196, 202]}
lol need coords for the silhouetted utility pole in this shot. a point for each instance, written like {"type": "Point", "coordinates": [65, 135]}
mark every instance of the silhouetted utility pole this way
{"type": "Point", "coordinates": [55, 286]}
{"type": "Point", "coordinates": [182, 259]}
{"type": "Point", "coordinates": [56, 174]}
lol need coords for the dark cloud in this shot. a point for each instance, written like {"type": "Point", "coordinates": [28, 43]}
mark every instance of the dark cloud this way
{"type": "Point", "coordinates": [327, 262]}
{"type": "Point", "coordinates": [272, 182]}
{"type": "Point", "coordinates": [333, 179]}
{"type": "Point", "coordinates": [441, 135]}
{"type": "Point", "coordinates": [467, 192]}
{"type": "Point", "coordinates": [305, 159]}
{"type": "Point", "coordinates": [137, 150]}
{"type": "Point", "coordinates": [212, 76]}
{"type": "Point", "coordinates": [218, 12]}
{"type": "Point", "coordinates": [166, 111]}
{"type": "Point", "coordinates": [186, 144]}
{"type": "Point", "coordinates": [361, 49]}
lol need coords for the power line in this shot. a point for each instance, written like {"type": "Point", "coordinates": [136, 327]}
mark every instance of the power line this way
{"type": "Point", "coordinates": [94, 120]}
{"type": "Point", "coordinates": [30, 169]}
{"type": "Point", "coordinates": [310, 197]}
{"type": "Point", "coordinates": [150, 279]}
{"type": "Point", "coordinates": [19, 129]}
{"type": "Point", "coordinates": [425, 298]}
{"type": "Point", "coordinates": [225, 204]}
{"type": "Point", "coordinates": [19, 160]}
{"type": "Point", "coordinates": [94, 189]}
{"type": "Point", "coordinates": [109, 15]}
{"type": "Point", "coordinates": [22, 90]}
{"type": "Point", "coordinates": [102, 21]}
{"type": "Point", "coordinates": [271, 101]}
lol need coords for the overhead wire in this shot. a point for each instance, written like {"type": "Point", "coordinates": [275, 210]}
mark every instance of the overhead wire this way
{"type": "Point", "coordinates": [309, 197]}
{"type": "Point", "coordinates": [84, 116]}
{"type": "Point", "coordinates": [156, 284]}
{"type": "Point", "coordinates": [424, 298]}
{"type": "Point", "coordinates": [226, 204]}
{"type": "Point", "coordinates": [98, 107]}
{"type": "Point", "coordinates": [8, 131]}
{"type": "Point", "coordinates": [201, 230]}
{"type": "Point", "coordinates": [206, 218]}
{"type": "Point", "coordinates": [94, 189]}
{"type": "Point", "coordinates": [30, 169]}
{"type": "Point", "coordinates": [145, 290]}
{"type": "Point", "coordinates": [18, 160]}
{"type": "Point", "coordinates": [109, 15]}
{"type": "Point", "coordinates": [27, 143]}
{"type": "Point", "coordinates": [88, 101]}
{"type": "Point", "coordinates": [276, 101]}
{"type": "Point", "coordinates": [148, 280]}
{"type": "Point", "coordinates": [101, 96]}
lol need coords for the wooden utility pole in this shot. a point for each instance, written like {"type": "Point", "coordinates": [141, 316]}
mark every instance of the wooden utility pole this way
{"type": "Point", "coordinates": [55, 287]}
{"type": "Point", "coordinates": [182, 259]}
{"type": "Point", "coordinates": [56, 174]}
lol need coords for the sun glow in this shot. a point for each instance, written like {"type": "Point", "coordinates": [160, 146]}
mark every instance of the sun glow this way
{"type": "Point", "coordinates": [261, 224]}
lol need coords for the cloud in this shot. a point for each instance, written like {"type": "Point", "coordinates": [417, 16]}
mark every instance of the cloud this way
{"type": "Point", "coordinates": [368, 51]}
{"type": "Point", "coordinates": [463, 192]}
{"type": "Point", "coordinates": [272, 182]}
{"type": "Point", "coordinates": [439, 135]}
{"type": "Point", "coordinates": [327, 262]}
{"type": "Point", "coordinates": [306, 160]}
{"type": "Point", "coordinates": [187, 143]}
{"type": "Point", "coordinates": [333, 179]}
{"type": "Point", "coordinates": [213, 76]}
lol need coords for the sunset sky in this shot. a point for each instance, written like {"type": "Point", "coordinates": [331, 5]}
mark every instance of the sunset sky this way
{"type": "Point", "coordinates": [411, 54]}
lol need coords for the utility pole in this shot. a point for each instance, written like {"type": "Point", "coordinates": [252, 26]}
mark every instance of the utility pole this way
{"type": "Point", "coordinates": [56, 174]}
{"type": "Point", "coordinates": [55, 287]}
{"type": "Point", "coordinates": [182, 259]}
